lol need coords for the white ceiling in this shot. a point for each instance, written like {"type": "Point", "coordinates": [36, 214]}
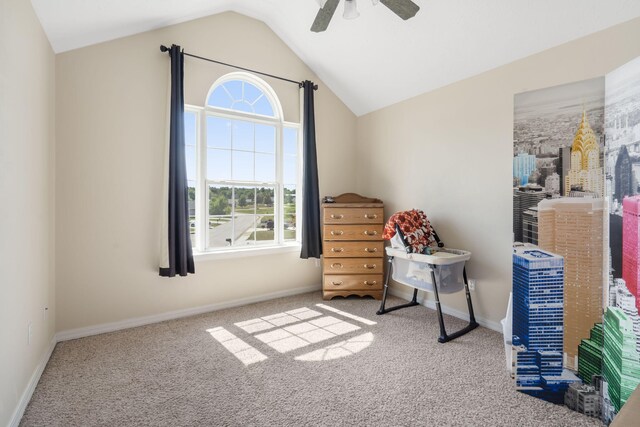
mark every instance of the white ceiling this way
{"type": "Point", "coordinates": [375, 60]}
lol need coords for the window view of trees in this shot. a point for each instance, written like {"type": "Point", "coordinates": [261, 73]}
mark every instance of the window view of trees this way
{"type": "Point", "coordinates": [246, 215]}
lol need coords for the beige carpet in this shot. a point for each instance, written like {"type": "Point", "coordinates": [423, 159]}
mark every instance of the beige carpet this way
{"type": "Point", "coordinates": [288, 362]}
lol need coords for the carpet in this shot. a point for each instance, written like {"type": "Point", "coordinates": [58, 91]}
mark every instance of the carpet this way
{"type": "Point", "coordinates": [295, 361]}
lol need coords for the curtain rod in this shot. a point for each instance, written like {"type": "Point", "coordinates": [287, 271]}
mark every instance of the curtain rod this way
{"type": "Point", "coordinates": [163, 48]}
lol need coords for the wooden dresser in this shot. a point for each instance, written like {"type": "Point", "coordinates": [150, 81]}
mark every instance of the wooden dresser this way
{"type": "Point", "coordinates": [353, 248]}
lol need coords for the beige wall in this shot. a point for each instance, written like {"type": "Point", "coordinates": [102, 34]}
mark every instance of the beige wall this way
{"type": "Point", "coordinates": [449, 153]}
{"type": "Point", "coordinates": [111, 118]}
{"type": "Point", "coordinates": [26, 200]}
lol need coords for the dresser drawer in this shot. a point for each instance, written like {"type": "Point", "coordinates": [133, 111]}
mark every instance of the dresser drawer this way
{"type": "Point", "coordinates": [342, 282]}
{"type": "Point", "coordinates": [353, 215]}
{"type": "Point", "coordinates": [338, 249]}
{"type": "Point", "coordinates": [353, 265]}
{"type": "Point", "coordinates": [353, 232]}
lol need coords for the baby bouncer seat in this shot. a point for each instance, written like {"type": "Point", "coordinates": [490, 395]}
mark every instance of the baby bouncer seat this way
{"type": "Point", "coordinates": [419, 259]}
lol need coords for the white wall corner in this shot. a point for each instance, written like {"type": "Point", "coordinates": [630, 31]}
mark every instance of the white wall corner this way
{"type": "Point", "coordinates": [31, 386]}
{"type": "Point", "coordinates": [407, 293]}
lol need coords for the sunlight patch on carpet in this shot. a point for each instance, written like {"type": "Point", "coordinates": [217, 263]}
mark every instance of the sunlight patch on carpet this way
{"type": "Point", "coordinates": [341, 349]}
{"type": "Point", "coordinates": [240, 349]}
{"type": "Point", "coordinates": [273, 321]}
{"type": "Point", "coordinates": [296, 329]}
{"type": "Point", "coordinates": [349, 315]}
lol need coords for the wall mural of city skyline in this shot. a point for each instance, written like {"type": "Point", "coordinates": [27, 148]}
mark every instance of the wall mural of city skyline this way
{"type": "Point", "coordinates": [576, 212]}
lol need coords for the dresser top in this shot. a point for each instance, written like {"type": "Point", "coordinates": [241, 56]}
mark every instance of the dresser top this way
{"type": "Point", "coordinates": [353, 200]}
{"type": "Point", "coordinates": [353, 205]}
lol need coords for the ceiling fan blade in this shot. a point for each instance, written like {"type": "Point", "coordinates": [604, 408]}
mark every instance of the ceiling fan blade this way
{"type": "Point", "coordinates": [324, 16]}
{"type": "Point", "coordinates": [405, 9]}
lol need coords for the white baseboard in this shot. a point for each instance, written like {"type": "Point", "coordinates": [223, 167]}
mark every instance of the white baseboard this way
{"type": "Point", "coordinates": [31, 386]}
{"type": "Point", "coordinates": [407, 293]}
{"type": "Point", "coordinates": [146, 320]}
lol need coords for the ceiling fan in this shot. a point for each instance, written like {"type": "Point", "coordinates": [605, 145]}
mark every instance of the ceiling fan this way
{"type": "Point", "coordinates": [405, 9]}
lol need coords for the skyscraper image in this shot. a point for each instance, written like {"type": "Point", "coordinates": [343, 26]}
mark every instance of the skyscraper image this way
{"type": "Point", "coordinates": [586, 171]}
{"type": "Point", "coordinates": [530, 225]}
{"type": "Point", "coordinates": [624, 179]}
{"type": "Point", "coordinates": [523, 165]}
{"type": "Point", "coordinates": [573, 228]}
{"type": "Point", "coordinates": [624, 300]}
{"type": "Point", "coordinates": [631, 244]}
{"type": "Point", "coordinates": [563, 165]}
{"type": "Point", "coordinates": [590, 354]}
{"type": "Point", "coordinates": [524, 197]}
{"type": "Point", "coordinates": [538, 279]}
{"type": "Point", "coordinates": [583, 398]}
{"type": "Point", "coordinates": [621, 366]}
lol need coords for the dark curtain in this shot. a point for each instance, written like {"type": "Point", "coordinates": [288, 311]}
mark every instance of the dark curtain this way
{"type": "Point", "coordinates": [180, 255]}
{"type": "Point", "coordinates": [311, 237]}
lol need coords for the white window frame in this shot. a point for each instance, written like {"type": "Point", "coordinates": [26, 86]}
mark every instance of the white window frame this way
{"type": "Point", "coordinates": [202, 183]}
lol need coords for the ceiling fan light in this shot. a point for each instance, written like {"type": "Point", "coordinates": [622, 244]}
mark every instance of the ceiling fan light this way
{"type": "Point", "coordinates": [350, 9]}
{"type": "Point", "coordinates": [321, 3]}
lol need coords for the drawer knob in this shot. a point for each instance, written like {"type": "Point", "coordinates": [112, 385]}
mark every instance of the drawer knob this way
{"type": "Point", "coordinates": [370, 233]}
{"type": "Point", "coordinates": [371, 249]}
{"type": "Point", "coordinates": [337, 216]}
{"type": "Point", "coordinates": [370, 216]}
{"type": "Point", "coordinates": [337, 249]}
{"type": "Point", "coordinates": [370, 282]}
{"type": "Point", "coordinates": [337, 283]}
{"type": "Point", "coordinates": [336, 265]}
{"type": "Point", "coordinates": [370, 266]}
{"type": "Point", "coordinates": [337, 232]}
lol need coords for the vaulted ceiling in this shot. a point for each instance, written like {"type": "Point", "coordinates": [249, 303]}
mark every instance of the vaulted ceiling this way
{"type": "Point", "coordinates": [375, 60]}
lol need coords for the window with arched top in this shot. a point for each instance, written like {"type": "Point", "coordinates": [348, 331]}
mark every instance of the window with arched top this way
{"type": "Point", "coordinates": [241, 95]}
{"type": "Point", "coordinates": [243, 164]}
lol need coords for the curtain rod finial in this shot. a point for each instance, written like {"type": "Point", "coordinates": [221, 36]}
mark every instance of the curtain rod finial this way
{"type": "Point", "coordinates": [301, 84]}
{"type": "Point", "coordinates": [163, 48]}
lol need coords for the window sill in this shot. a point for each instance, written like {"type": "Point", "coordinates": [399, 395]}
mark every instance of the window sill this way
{"type": "Point", "coordinates": [245, 252]}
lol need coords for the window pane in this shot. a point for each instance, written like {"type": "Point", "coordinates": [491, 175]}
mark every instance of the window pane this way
{"type": "Point", "coordinates": [265, 233]}
{"type": "Point", "coordinates": [265, 167]}
{"type": "Point", "coordinates": [247, 224]}
{"type": "Point", "coordinates": [190, 138]}
{"type": "Point", "coordinates": [220, 229]}
{"type": "Point", "coordinates": [245, 218]}
{"type": "Point", "coordinates": [190, 159]}
{"type": "Point", "coordinates": [265, 198]}
{"type": "Point", "coordinates": [265, 139]}
{"type": "Point", "coordinates": [251, 93]}
{"type": "Point", "coordinates": [242, 106]}
{"type": "Point", "coordinates": [263, 106]}
{"type": "Point", "coordinates": [190, 123]}
{"type": "Point", "coordinates": [218, 132]}
{"type": "Point", "coordinates": [234, 87]}
{"type": "Point", "coordinates": [245, 199]}
{"type": "Point", "coordinates": [242, 135]}
{"type": "Point", "coordinates": [218, 164]}
{"type": "Point", "coordinates": [289, 225]}
{"type": "Point", "coordinates": [290, 170]}
{"type": "Point", "coordinates": [219, 98]}
{"type": "Point", "coordinates": [191, 198]}
{"type": "Point", "coordinates": [220, 200]}
{"type": "Point", "coordinates": [290, 141]}
{"type": "Point", "coordinates": [243, 166]}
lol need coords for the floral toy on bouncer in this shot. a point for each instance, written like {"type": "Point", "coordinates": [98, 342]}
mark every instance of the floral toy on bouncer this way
{"type": "Point", "coordinates": [412, 231]}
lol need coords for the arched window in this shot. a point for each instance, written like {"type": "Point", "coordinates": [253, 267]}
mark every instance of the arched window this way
{"type": "Point", "coordinates": [243, 164]}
